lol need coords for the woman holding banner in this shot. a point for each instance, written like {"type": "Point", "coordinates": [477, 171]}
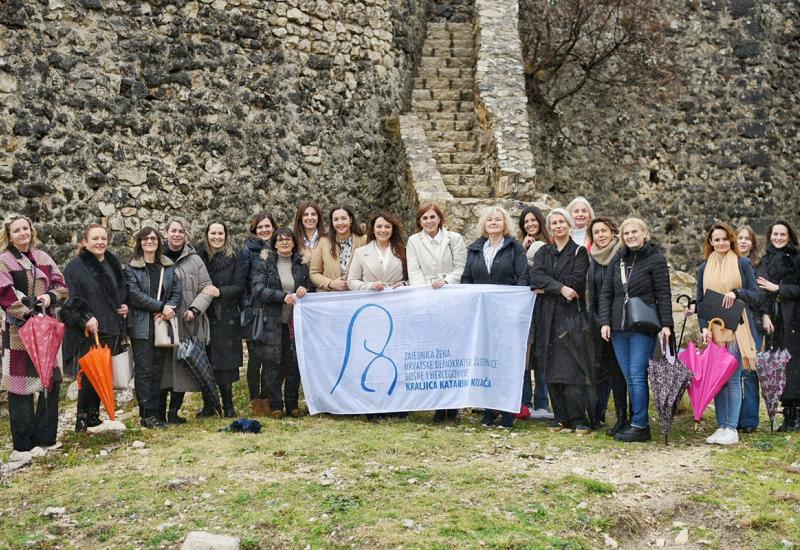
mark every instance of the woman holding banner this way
{"type": "Point", "coordinates": [496, 258]}
{"type": "Point", "coordinates": [436, 257]}
{"type": "Point", "coordinates": [559, 277]}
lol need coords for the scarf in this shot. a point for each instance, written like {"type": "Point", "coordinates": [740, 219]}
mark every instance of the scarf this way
{"type": "Point", "coordinates": [722, 275]}
{"type": "Point", "coordinates": [780, 262]}
{"type": "Point", "coordinates": [603, 256]}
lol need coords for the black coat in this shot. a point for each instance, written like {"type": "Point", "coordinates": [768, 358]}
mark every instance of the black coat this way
{"type": "Point", "coordinates": [648, 280]}
{"type": "Point", "coordinates": [141, 304]}
{"type": "Point", "coordinates": [92, 293]}
{"type": "Point", "coordinates": [782, 267]}
{"type": "Point", "coordinates": [551, 271]}
{"type": "Point", "coordinates": [251, 254]}
{"type": "Point", "coordinates": [510, 265]}
{"type": "Point", "coordinates": [225, 345]}
{"type": "Point", "coordinates": [268, 293]}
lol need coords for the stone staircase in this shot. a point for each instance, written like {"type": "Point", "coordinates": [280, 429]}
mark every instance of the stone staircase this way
{"type": "Point", "coordinates": [443, 100]}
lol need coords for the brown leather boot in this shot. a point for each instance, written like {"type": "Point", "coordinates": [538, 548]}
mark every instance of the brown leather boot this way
{"type": "Point", "coordinates": [259, 407]}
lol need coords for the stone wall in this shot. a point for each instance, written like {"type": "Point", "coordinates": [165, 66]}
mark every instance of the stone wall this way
{"type": "Point", "coordinates": [131, 111]}
{"type": "Point", "coordinates": [720, 141]}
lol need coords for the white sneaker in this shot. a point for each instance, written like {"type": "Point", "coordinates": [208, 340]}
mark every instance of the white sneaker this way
{"type": "Point", "coordinates": [713, 438]}
{"type": "Point", "coordinates": [728, 437]}
{"type": "Point", "coordinates": [540, 414]}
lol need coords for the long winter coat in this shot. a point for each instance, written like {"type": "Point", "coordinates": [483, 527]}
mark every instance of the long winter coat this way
{"type": "Point", "coordinates": [23, 277]}
{"type": "Point", "coordinates": [552, 270]}
{"type": "Point", "coordinates": [782, 267]}
{"type": "Point", "coordinates": [193, 275]}
{"type": "Point", "coordinates": [142, 306]}
{"type": "Point", "coordinates": [252, 253]}
{"type": "Point", "coordinates": [92, 293]}
{"type": "Point", "coordinates": [648, 280]}
{"type": "Point", "coordinates": [225, 346]}
{"type": "Point", "coordinates": [510, 265]}
{"type": "Point", "coordinates": [268, 292]}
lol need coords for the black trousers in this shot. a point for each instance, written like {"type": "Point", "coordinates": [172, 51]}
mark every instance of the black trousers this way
{"type": "Point", "coordinates": [33, 428]}
{"type": "Point", "coordinates": [283, 391]}
{"type": "Point", "coordinates": [148, 367]}
{"type": "Point", "coordinates": [256, 371]}
{"type": "Point", "coordinates": [569, 404]}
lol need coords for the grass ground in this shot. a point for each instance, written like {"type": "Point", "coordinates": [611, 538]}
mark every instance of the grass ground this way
{"type": "Point", "coordinates": [326, 482]}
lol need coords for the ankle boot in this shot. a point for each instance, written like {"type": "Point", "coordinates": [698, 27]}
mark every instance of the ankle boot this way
{"type": "Point", "coordinates": [80, 422]}
{"type": "Point", "coordinates": [226, 392]}
{"type": "Point", "coordinates": [619, 425]}
{"type": "Point", "coordinates": [175, 402]}
{"type": "Point", "coordinates": [789, 417]}
{"type": "Point", "coordinates": [93, 418]}
{"type": "Point", "coordinates": [208, 409]}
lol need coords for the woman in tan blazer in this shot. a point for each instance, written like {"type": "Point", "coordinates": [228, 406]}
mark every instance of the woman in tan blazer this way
{"type": "Point", "coordinates": [331, 258]}
{"type": "Point", "coordinates": [382, 262]}
{"type": "Point", "coordinates": [436, 256]}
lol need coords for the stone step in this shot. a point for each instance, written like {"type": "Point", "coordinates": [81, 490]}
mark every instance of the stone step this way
{"type": "Point", "coordinates": [435, 135]}
{"type": "Point", "coordinates": [464, 117]}
{"type": "Point", "coordinates": [447, 125]}
{"type": "Point", "coordinates": [460, 158]}
{"type": "Point", "coordinates": [442, 147]}
{"type": "Point", "coordinates": [466, 169]}
{"type": "Point", "coordinates": [471, 191]}
{"type": "Point", "coordinates": [464, 179]}
{"type": "Point", "coordinates": [468, 43]}
{"type": "Point", "coordinates": [443, 83]}
{"type": "Point", "coordinates": [447, 52]}
{"type": "Point", "coordinates": [448, 95]}
{"type": "Point", "coordinates": [467, 146]}
{"type": "Point", "coordinates": [457, 106]}
{"type": "Point", "coordinates": [452, 62]}
{"type": "Point", "coordinates": [449, 26]}
{"type": "Point", "coordinates": [446, 106]}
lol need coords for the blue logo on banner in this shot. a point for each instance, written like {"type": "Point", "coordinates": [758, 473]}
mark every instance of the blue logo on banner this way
{"type": "Point", "coordinates": [377, 354]}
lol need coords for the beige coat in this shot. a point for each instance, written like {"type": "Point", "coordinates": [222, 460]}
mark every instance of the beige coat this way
{"type": "Point", "coordinates": [325, 266]}
{"type": "Point", "coordinates": [427, 258]}
{"type": "Point", "coordinates": [367, 267]}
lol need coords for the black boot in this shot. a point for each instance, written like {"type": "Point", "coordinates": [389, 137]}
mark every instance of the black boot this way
{"type": "Point", "coordinates": [619, 425]}
{"type": "Point", "coordinates": [789, 417]}
{"type": "Point", "coordinates": [162, 406]}
{"type": "Point", "coordinates": [633, 434]}
{"type": "Point", "coordinates": [93, 418]}
{"type": "Point", "coordinates": [81, 422]}
{"type": "Point", "coordinates": [226, 392]}
{"type": "Point", "coordinates": [175, 402]}
{"type": "Point", "coordinates": [208, 409]}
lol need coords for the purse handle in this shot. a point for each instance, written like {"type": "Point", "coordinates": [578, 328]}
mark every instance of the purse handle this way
{"type": "Point", "coordinates": [160, 284]}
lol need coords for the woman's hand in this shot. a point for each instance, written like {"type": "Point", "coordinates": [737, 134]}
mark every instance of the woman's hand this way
{"type": "Point", "coordinates": [538, 290]}
{"type": "Point", "coordinates": [211, 290]}
{"type": "Point", "coordinates": [123, 310]}
{"type": "Point", "coordinates": [769, 328]}
{"type": "Point", "coordinates": [92, 325]}
{"type": "Point", "coordinates": [44, 300]}
{"type": "Point", "coordinates": [376, 286]}
{"type": "Point", "coordinates": [706, 336]}
{"type": "Point", "coordinates": [689, 311]}
{"type": "Point", "coordinates": [338, 284]}
{"type": "Point", "coordinates": [438, 283]}
{"type": "Point", "coordinates": [301, 291]}
{"type": "Point", "coordinates": [664, 335]}
{"type": "Point", "coordinates": [767, 285]}
{"type": "Point", "coordinates": [168, 313]}
{"type": "Point", "coordinates": [290, 299]}
{"type": "Point", "coordinates": [605, 332]}
{"type": "Point", "coordinates": [188, 315]}
{"type": "Point", "coordinates": [527, 242]}
{"type": "Point", "coordinates": [728, 299]}
{"type": "Point", "coordinates": [568, 293]}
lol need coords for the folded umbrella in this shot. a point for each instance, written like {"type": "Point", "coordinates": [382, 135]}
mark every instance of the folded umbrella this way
{"type": "Point", "coordinates": [192, 352]}
{"type": "Point", "coordinates": [668, 379]}
{"type": "Point", "coordinates": [42, 336]}
{"type": "Point", "coordinates": [96, 366]}
{"type": "Point", "coordinates": [580, 339]}
{"type": "Point", "coordinates": [711, 369]}
{"type": "Point", "coordinates": [771, 369]}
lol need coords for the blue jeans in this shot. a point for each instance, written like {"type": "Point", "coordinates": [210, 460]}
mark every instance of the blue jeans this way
{"type": "Point", "coordinates": [728, 402]}
{"type": "Point", "coordinates": [633, 351]}
{"type": "Point", "coordinates": [539, 395]}
{"type": "Point", "coordinates": [748, 415]}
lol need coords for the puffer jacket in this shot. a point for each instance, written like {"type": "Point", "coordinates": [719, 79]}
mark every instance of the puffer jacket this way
{"type": "Point", "coordinates": [648, 280]}
{"type": "Point", "coordinates": [142, 305]}
{"type": "Point", "coordinates": [510, 265]}
{"type": "Point", "coordinates": [252, 253]}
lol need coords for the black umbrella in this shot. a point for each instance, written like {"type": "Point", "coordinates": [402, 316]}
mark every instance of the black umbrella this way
{"type": "Point", "coordinates": [669, 378]}
{"type": "Point", "coordinates": [579, 336]}
{"type": "Point", "coordinates": [192, 351]}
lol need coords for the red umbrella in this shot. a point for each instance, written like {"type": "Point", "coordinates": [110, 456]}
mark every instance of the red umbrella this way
{"type": "Point", "coordinates": [711, 369]}
{"type": "Point", "coordinates": [42, 336]}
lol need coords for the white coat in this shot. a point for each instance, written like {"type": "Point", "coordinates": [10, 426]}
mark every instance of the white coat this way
{"type": "Point", "coordinates": [428, 258]}
{"type": "Point", "coordinates": [368, 266]}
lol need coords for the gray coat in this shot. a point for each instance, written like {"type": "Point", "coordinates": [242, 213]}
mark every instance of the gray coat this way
{"type": "Point", "coordinates": [193, 275]}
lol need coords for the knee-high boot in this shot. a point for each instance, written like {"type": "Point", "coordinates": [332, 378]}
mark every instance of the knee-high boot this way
{"type": "Point", "coordinates": [226, 391]}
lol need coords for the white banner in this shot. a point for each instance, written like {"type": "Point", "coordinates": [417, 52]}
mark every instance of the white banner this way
{"type": "Point", "coordinates": [414, 348]}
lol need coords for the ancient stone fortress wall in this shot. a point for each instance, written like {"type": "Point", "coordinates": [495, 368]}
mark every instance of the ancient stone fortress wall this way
{"type": "Point", "coordinates": [127, 112]}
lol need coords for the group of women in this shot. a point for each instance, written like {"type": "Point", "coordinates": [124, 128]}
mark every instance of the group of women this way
{"type": "Point", "coordinates": [580, 266]}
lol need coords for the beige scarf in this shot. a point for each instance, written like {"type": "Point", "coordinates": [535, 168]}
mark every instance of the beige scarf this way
{"type": "Point", "coordinates": [722, 275]}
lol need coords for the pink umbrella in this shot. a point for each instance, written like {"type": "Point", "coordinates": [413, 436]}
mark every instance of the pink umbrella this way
{"type": "Point", "coordinates": [42, 336]}
{"type": "Point", "coordinates": [711, 369]}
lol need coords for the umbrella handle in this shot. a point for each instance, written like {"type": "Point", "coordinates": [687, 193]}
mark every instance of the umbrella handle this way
{"type": "Point", "coordinates": [96, 338]}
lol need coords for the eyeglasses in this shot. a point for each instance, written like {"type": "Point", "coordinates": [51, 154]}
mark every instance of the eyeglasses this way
{"type": "Point", "coordinates": [149, 239]}
{"type": "Point", "coordinates": [284, 240]}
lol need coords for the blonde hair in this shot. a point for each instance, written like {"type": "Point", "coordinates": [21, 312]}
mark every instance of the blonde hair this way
{"type": "Point", "coordinates": [490, 210]}
{"type": "Point", "coordinates": [5, 236]}
{"type": "Point", "coordinates": [581, 200]}
{"type": "Point", "coordinates": [560, 212]}
{"type": "Point", "coordinates": [183, 223]}
{"type": "Point", "coordinates": [633, 221]}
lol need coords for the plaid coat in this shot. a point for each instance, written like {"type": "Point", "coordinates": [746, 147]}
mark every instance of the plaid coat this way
{"type": "Point", "coordinates": [22, 278]}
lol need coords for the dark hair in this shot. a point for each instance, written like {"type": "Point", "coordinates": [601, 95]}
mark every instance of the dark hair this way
{"type": "Point", "coordinates": [423, 208]}
{"type": "Point", "coordinates": [708, 248]}
{"type": "Point", "coordinates": [260, 217]}
{"type": "Point", "coordinates": [284, 231]}
{"type": "Point", "coordinates": [85, 235]}
{"type": "Point", "coordinates": [298, 219]}
{"type": "Point", "coordinates": [608, 222]}
{"type": "Point", "coordinates": [789, 230]}
{"type": "Point", "coordinates": [396, 242]}
{"type": "Point", "coordinates": [543, 235]}
{"type": "Point", "coordinates": [355, 228]}
{"type": "Point", "coordinates": [227, 247]}
{"type": "Point", "coordinates": [138, 252]}
{"type": "Point", "coordinates": [753, 254]}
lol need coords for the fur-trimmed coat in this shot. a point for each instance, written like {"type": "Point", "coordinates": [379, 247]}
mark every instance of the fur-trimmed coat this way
{"type": "Point", "coordinates": [23, 277]}
{"type": "Point", "coordinates": [92, 293]}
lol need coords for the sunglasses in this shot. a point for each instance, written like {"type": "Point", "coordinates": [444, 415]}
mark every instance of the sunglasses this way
{"type": "Point", "coordinates": [149, 239]}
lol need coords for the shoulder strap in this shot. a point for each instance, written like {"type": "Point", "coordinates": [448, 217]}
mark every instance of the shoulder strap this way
{"type": "Point", "coordinates": [160, 283]}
